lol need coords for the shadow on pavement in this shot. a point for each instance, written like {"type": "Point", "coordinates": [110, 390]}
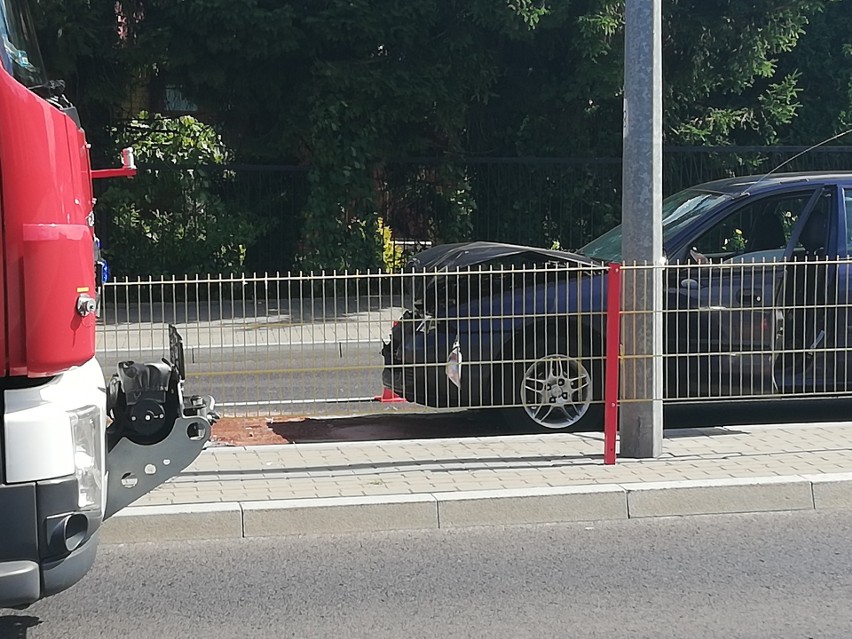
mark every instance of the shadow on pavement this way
{"type": "Point", "coordinates": [471, 423]}
{"type": "Point", "coordinates": [16, 626]}
{"type": "Point", "coordinates": [754, 412]}
{"type": "Point", "coordinates": [484, 423]}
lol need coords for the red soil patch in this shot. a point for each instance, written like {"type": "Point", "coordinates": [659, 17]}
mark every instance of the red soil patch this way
{"type": "Point", "coordinates": [247, 431]}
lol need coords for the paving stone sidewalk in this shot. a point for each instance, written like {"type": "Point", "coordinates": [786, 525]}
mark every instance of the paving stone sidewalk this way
{"type": "Point", "coordinates": [421, 467]}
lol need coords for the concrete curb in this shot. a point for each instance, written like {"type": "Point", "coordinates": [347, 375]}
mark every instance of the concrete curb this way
{"type": "Point", "coordinates": [333, 515]}
{"type": "Point", "coordinates": [174, 523]}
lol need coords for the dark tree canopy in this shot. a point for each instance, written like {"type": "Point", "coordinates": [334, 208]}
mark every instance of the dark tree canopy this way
{"type": "Point", "coordinates": [346, 86]}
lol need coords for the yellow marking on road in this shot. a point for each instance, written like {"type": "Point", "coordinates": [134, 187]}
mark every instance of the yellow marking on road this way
{"type": "Point", "coordinates": [256, 326]}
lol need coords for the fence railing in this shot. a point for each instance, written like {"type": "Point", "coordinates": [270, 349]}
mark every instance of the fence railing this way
{"type": "Point", "coordinates": [530, 339]}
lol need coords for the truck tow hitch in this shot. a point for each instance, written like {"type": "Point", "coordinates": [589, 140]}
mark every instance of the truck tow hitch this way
{"type": "Point", "coordinates": [155, 432]}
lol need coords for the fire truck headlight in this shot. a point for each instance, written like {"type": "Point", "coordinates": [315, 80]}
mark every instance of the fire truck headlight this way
{"type": "Point", "coordinates": [88, 442]}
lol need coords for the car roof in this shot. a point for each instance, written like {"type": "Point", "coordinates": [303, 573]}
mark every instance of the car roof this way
{"type": "Point", "coordinates": [756, 183]}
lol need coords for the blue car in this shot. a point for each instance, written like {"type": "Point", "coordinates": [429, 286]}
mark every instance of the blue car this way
{"type": "Point", "coordinates": [757, 297]}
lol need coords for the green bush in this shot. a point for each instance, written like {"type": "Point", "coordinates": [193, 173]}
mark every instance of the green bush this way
{"type": "Point", "coordinates": [171, 218]}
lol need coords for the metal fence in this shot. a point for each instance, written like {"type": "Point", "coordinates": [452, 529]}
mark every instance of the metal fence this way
{"type": "Point", "coordinates": [528, 337]}
{"type": "Point", "coordinates": [746, 330]}
{"type": "Point", "coordinates": [534, 201]}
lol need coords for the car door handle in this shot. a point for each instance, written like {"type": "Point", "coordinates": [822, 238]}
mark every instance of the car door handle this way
{"type": "Point", "coordinates": [689, 283]}
{"type": "Point", "coordinates": [750, 298]}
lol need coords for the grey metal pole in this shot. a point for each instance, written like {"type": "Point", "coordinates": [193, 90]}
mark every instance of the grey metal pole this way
{"type": "Point", "coordinates": [641, 422]}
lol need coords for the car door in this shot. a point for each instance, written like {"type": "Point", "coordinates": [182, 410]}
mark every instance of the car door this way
{"type": "Point", "coordinates": [830, 359]}
{"type": "Point", "coordinates": [724, 318]}
{"type": "Point", "coordinates": [806, 358]}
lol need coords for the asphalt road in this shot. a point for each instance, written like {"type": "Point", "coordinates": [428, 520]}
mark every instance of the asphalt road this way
{"type": "Point", "coordinates": [288, 375]}
{"type": "Point", "coordinates": [773, 575]}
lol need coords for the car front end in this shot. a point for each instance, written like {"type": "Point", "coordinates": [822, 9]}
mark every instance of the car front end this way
{"type": "Point", "coordinates": [472, 308]}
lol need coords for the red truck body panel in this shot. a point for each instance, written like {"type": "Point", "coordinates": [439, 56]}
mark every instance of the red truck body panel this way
{"type": "Point", "coordinates": [47, 242]}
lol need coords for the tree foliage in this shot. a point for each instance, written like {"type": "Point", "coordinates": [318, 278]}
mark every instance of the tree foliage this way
{"type": "Point", "coordinates": [340, 86]}
{"type": "Point", "coordinates": [170, 219]}
{"type": "Point", "coordinates": [823, 62]}
{"type": "Point", "coordinates": [82, 45]}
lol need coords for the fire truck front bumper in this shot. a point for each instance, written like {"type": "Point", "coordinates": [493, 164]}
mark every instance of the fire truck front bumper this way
{"type": "Point", "coordinates": [63, 471]}
{"type": "Point", "coordinates": [51, 483]}
{"type": "Point", "coordinates": [25, 581]}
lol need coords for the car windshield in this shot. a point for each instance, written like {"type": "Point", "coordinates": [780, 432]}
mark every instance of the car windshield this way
{"type": "Point", "coordinates": [679, 211]}
{"type": "Point", "coordinates": [20, 55]}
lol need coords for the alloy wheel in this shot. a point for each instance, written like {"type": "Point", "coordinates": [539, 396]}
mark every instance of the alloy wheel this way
{"type": "Point", "coordinates": [556, 391]}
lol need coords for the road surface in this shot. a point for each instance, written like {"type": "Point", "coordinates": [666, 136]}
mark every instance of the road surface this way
{"type": "Point", "coordinates": [772, 575]}
{"type": "Point", "coordinates": [277, 378]}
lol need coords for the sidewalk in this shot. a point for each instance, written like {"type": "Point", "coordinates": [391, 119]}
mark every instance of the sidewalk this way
{"type": "Point", "coordinates": [438, 483]}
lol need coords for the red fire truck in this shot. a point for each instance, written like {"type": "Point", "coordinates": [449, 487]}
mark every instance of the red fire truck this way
{"type": "Point", "coordinates": [63, 467]}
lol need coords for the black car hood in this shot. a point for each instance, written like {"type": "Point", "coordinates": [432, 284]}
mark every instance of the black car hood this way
{"type": "Point", "coordinates": [448, 256]}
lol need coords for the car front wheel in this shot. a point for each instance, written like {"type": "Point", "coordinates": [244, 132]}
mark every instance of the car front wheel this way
{"type": "Point", "coordinates": [557, 392]}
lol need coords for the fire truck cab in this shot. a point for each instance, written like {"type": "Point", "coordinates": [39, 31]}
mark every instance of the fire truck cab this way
{"type": "Point", "coordinates": [74, 448]}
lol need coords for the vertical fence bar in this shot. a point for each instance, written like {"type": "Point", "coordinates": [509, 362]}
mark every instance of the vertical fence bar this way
{"type": "Point", "coordinates": [611, 361]}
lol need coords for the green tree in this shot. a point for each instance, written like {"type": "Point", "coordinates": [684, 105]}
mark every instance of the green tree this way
{"type": "Point", "coordinates": [171, 218]}
{"type": "Point", "coordinates": [823, 62]}
{"type": "Point", "coordinates": [83, 44]}
{"type": "Point", "coordinates": [345, 85]}
{"type": "Point", "coordinates": [339, 85]}
{"type": "Point", "coordinates": [560, 91]}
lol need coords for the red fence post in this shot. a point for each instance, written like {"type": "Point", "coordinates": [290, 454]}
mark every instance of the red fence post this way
{"type": "Point", "coordinates": [611, 360]}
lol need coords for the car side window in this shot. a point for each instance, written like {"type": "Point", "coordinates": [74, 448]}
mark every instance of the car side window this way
{"type": "Point", "coordinates": [813, 239]}
{"type": "Point", "coordinates": [759, 231]}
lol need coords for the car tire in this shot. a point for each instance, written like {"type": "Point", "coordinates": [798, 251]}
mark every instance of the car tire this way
{"type": "Point", "coordinates": [553, 390]}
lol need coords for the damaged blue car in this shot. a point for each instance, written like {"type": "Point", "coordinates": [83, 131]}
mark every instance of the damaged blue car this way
{"type": "Point", "coordinates": [757, 296]}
